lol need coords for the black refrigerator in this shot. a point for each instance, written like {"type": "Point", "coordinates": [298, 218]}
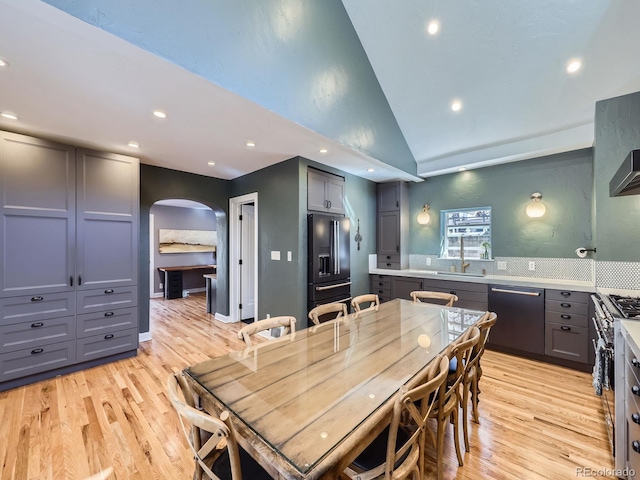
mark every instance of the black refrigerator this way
{"type": "Point", "coordinates": [328, 265]}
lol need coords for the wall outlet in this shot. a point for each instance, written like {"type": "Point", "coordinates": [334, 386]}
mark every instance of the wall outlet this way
{"type": "Point", "coordinates": [268, 315]}
{"type": "Point", "coordinates": [428, 261]}
{"type": "Point", "coordinates": [532, 265]}
{"type": "Point", "coordinates": [161, 285]}
{"type": "Point", "coordinates": [502, 265]}
{"type": "Point", "coordinates": [275, 254]}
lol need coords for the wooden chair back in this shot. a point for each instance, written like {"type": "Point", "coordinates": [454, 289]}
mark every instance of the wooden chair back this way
{"type": "Point", "coordinates": [484, 325]}
{"type": "Point", "coordinates": [419, 296]}
{"type": "Point", "coordinates": [289, 324]}
{"type": "Point", "coordinates": [339, 308]}
{"type": "Point", "coordinates": [371, 298]}
{"type": "Point", "coordinates": [462, 350]}
{"type": "Point", "coordinates": [194, 422]}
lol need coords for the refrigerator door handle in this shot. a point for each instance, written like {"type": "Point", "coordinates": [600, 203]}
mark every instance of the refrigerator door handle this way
{"type": "Point", "coordinates": [337, 234]}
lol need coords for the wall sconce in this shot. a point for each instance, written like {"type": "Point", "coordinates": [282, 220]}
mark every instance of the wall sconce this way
{"type": "Point", "coordinates": [535, 208]}
{"type": "Point", "coordinates": [424, 217]}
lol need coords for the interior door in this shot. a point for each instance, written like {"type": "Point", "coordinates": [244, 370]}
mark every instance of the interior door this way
{"type": "Point", "coordinates": [247, 287]}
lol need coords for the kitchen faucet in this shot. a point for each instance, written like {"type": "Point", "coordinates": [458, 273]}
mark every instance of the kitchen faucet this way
{"type": "Point", "coordinates": [463, 266]}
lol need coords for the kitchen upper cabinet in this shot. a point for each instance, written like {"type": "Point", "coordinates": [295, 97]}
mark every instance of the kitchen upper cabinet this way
{"type": "Point", "coordinates": [393, 225]}
{"type": "Point", "coordinates": [38, 187]}
{"type": "Point", "coordinates": [325, 192]}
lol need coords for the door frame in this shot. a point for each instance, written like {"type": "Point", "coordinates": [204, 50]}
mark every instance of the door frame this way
{"type": "Point", "coordinates": [234, 254]}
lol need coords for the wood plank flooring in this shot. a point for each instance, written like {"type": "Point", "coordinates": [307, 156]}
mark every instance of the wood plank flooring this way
{"type": "Point", "coordinates": [538, 421]}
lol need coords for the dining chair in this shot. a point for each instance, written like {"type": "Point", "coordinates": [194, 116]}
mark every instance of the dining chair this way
{"type": "Point", "coordinates": [473, 372]}
{"type": "Point", "coordinates": [357, 302]}
{"type": "Point", "coordinates": [419, 295]}
{"type": "Point", "coordinates": [340, 309]}
{"type": "Point", "coordinates": [289, 324]}
{"type": "Point", "coordinates": [448, 400]}
{"type": "Point", "coordinates": [398, 452]}
{"type": "Point", "coordinates": [212, 439]}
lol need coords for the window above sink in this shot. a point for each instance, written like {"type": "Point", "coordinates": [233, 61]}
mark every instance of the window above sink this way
{"type": "Point", "coordinates": [469, 228]}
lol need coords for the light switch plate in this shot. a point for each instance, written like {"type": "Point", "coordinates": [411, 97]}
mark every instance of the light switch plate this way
{"type": "Point", "coordinates": [502, 265]}
{"type": "Point", "coordinates": [428, 261]}
{"type": "Point", "coordinates": [532, 265]}
{"type": "Point", "coordinates": [288, 256]}
{"type": "Point", "coordinates": [275, 254]}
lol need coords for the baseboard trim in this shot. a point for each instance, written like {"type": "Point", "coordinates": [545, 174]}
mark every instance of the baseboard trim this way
{"type": "Point", "coordinates": [144, 336]}
{"type": "Point", "coordinates": [224, 318]}
{"type": "Point", "coordinates": [189, 291]}
{"type": "Point", "coordinates": [157, 295]}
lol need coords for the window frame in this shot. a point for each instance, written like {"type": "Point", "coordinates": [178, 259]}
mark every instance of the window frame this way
{"type": "Point", "coordinates": [444, 227]}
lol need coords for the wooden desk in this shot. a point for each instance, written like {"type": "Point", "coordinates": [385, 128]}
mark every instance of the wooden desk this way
{"type": "Point", "coordinates": [173, 278]}
{"type": "Point", "coordinates": [302, 407]}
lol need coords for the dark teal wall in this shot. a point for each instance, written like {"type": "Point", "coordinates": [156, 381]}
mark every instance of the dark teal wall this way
{"type": "Point", "coordinates": [617, 220]}
{"type": "Point", "coordinates": [160, 184]}
{"type": "Point", "coordinates": [565, 181]}
{"type": "Point", "coordinates": [300, 59]}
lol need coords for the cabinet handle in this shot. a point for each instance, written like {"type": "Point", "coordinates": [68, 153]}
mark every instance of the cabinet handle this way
{"type": "Point", "coordinates": [79, 279]}
{"type": "Point", "coordinates": [108, 336]}
{"type": "Point", "coordinates": [37, 299]}
{"type": "Point", "coordinates": [397, 203]}
{"type": "Point", "coordinates": [71, 281]}
{"type": "Point", "coordinates": [635, 390]}
{"type": "Point", "coordinates": [565, 328]}
{"type": "Point", "coordinates": [453, 292]}
{"type": "Point", "coordinates": [565, 294]}
{"type": "Point", "coordinates": [329, 202]}
{"type": "Point", "coordinates": [636, 418]}
{"type": "Point", "coordinates": [36, 351]}
{"type": "Point", "coordinates": [388, 264]}
{"type": "Point", "coordinates": [635, 362]}
{"type": "Point", "coordinates": [566, 317]}
{"type": "Point", "coordinates": [388, 257]}
{"type": "Point", "coordinates": [37, 325]}
{"type": "Point", "coordinates": [109, 290]}
{"type": "Point", "coordinates": [397, 248]}
{"type": "Point", "coordinates": [380, 291]}
{"type": "Point", "coordinates": [565, 305]}
{"type": "Point", "coordinates": [108, 314]}
{"type": "Point", "coordinates": [380, 284]}
{"type": "Point", "coordinates": [636, 446]}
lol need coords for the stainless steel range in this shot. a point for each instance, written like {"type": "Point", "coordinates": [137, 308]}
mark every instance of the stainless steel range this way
{"type": "Point", "coordinates": [609, 309]}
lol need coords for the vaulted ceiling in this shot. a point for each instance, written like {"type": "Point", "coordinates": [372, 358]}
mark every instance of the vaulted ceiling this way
{"type": "Point", "coordinates": [363, 80]}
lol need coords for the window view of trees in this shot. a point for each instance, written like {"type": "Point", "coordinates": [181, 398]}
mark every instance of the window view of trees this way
{"type": "Point", "coordinates": [474, 224]}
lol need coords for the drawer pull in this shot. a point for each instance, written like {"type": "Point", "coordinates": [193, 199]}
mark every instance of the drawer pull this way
{"type": "Point", "coordinates": [635, 390]}
{"type": "Point", "coordinates": [388, 257]}
{"type": "Point", "coordinates": [380, 291]}
{"type": "Point", "coordinates": [388, 264]}
{"type": "Point", "coordinates": [36, 351]}
{"type": "Point", "coordinates": [453, 292]}
{"type": "Point", "coordinates": [79, 279]}
{"type": "Point", "coordinates": [565, 305]}
{"type": "Point", "coordinates": [37, 325]}
{"type": "Point", "coordinates": [37, 299]}
{"type": "Point", "coordinates": [565, 294]}
{"type": "Point", "coordinates": [636, 418]}
{"type": "Point", "coordinates": [565, 316]}
{"type": "Point", "coordinates": [380, 284]}
{"type": "Point", "coordinates": [565, 328]}
{"type": "Point", "coordinates": [108, 290]}
{"type": "Point", "coordinates": [635, 362]}
{"type": "Point", "coordinates": [108, 336]}
{"type": "Point", "coordinates": [636, 446]}
{"type": "Point", "coordinates": [71, 281]}
{"type": "Point", "coordinates": [108, 314]}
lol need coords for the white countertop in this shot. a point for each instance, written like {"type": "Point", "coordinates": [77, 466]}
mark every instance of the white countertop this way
{"type": "Point", "coordinates": [633, 328]}
{"type": "Point", "coordinates": [574, 285]}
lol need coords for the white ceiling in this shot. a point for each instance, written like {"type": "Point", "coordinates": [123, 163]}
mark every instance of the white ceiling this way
{"type": "Point", "coordinates": [505, 60]}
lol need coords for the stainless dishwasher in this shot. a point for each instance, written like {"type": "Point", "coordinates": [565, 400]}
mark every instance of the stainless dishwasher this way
{"type": "Point", "coordinates": [520, 325]}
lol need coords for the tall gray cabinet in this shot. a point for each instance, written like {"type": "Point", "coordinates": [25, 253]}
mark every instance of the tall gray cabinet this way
{"type": "Point", "coordinates": [393, 225]}
{"type": "Point", "coordinates": [69, 258]}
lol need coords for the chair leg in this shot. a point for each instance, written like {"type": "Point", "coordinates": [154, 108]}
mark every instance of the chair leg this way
{"type": "Point", "coordinates": [440, 446]}
{"type": "Point", "coordinates": [474, 399]}
{"type": "Point", "coordinates": [466, 388]}
{"type": "Point", "coordinates": [456, 436]}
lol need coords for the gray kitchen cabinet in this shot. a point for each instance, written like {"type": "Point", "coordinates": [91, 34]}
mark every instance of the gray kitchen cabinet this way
{"type": "Point", "coordinates": [401, 287]}
{"type": "Point", "coordinates": [325, 192]}
{"type": "Point", "coordinates": [393, 225]}
{"type": "Point", "coordinates": [38, 186]}
{"type": "Point", "coordinates": [470, 295]}
{"type": "Point", "coordinates": [567, 325]}
{"type": "Point", "coordinates": [381, 286]}
{"type": "Point", "coordinates": [70, 233]}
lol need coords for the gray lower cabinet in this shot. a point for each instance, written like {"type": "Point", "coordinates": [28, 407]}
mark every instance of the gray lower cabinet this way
{"type": "Point", "coordinates": [567, 325]}
{"type": "Point", "coordinates": [381, 286]}
{"type": "Point", "coordinates": [473, 296]}
{"type": "Point", "coordinates": [401, 287]}
{"type": "Point", "coordinates": [106, 344]}
{"type": "Point", "coordinates": [69, 262]}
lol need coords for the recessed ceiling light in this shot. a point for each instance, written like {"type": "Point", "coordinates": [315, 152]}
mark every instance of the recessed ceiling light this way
{"type": "Point", "coordinates": [323, 150]}
{"type": "Point", "coordinates": [370, 170]}
{"type": "Point", "coordinates": [211, 164]}
{"type": "Point", "coordinates": [3, 63]}
{"type": "Point", "coordinates": [462, 169]}
{"type": "Point", "coordinates": [251, 144]}
{"type": "Point", "coordinates": [433, 27]}
{"type": "Point", "coordinates": [456, 105]}
{"type": "Point", "coordinates": [159, 114]}
{"type": "Point", "coordinates": [134, 144]}
{"type": "Point", "coordinates": [573, 66]}
{"type": "Point", "coordinates": [8, 115]}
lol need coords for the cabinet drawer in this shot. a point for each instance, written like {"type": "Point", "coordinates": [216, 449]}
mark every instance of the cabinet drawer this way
{"type": "Point", "coordinates": [449, 285]}
{"type": "Point", "coordinates": [20, 336]}
{"type": "Point", "coordinates": [567, 295]}
{"type": "Point", "coordinates": [566, 306]}
{"type": "Point", "coordinates": [566, 341]}
{"type": "Point", "coordinates": [631, 374]}
{"type": "Point", "coordinates": [104, 345]}
{"type": "Point", "coordinates": [382, 292]}
{"type": "Point", "coordinates": [33, 308]}
{"type": "Point", "coordinates": [389, 258]}
{"type": "Point", "coordinates": [566, 318]}
{"type": "Point", "coordinates": [633, 439]}
{"type": "Point", "coordinates": [471, 305]}
{"type": "Point", "coordinates": [463, 296]}
{"type": "Point", "coordinates": [380, 279]}
{"type": "Point", "coordinates": [22, 363]}
{"type": "Point", "coordinates": [388, 265]}
{"type": "Point", "coordinates": [106, 298]}
{"type": "Point", "coordinates": [95, 323]}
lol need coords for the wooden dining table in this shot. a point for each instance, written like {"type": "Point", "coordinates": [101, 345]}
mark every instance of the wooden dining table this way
{"type": "Point", "coordinates": [305, 405]}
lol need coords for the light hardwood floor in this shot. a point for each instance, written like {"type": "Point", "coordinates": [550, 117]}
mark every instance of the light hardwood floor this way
{"type": "Point", "coordinates": [537, 420]}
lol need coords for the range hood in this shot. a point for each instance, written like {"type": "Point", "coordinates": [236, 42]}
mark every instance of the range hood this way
{"type": "Point", "coordinates": [626, 181]}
